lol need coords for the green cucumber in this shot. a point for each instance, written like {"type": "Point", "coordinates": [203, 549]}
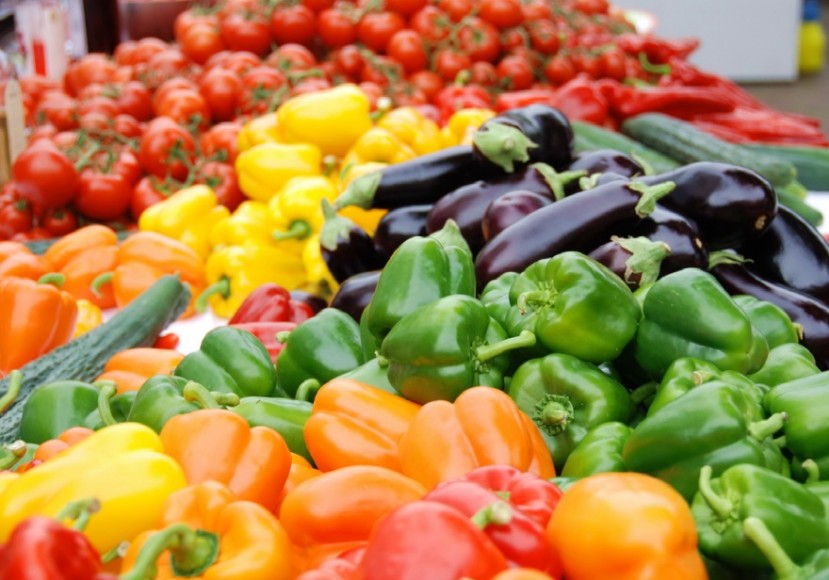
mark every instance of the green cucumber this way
{"type": "Point", "coordinates": [84, 358]}
{"type": "Point", "coordinates": [590, 137]}
{"type": "Point", "coordinates": [812, 163]}
{"type": "Point", "coordinates": [687, 144]}
{"type": "Point", "coordinates": [799, 206]}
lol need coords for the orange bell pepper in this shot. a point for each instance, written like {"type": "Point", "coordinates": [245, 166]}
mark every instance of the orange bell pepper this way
{"type": "Point", "coordinates": [625, 526]}
{"type": "Point", "coordinates": [68, 248]}
{"type": "Point", "coordinates": [300, 471]}
{"type": "Point", "coordinates": [35, 318]}
{"type": "Point", "coordinates": [72, 436]}
{"type": "Point", "coordinates": [81, 257]}
{"type": "Point", "coordinates": [244, 540]}
{"type": "Point", "coordinates": [353, 423]}
{"type": "Point", "coordinates": [482, 427]}
{"type": "Point", "coordinates": [217, 445]}
{"type": "Point", "coordinates": [17, 260]}
{"type": "Point", "coordinates": [130, 368]}
{"type": "Point", "coordinates": [337, 510]}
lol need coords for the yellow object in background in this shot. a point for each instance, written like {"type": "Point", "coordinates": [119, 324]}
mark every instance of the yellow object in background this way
{"type": "Point", "coordinates": [260, 130]}
{"type": "Point", "coordinates": [89, 317]}
{"type": "Point", "coordinates": [812, 40]}
{"type": "Point", "coordinates": [249, 224]}
{"type": "Point", "coordinates": [266, 168]}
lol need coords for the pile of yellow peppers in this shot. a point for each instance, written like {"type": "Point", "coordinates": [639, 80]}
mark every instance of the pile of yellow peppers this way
{"type": "Point", "coordinates": [289, 161]}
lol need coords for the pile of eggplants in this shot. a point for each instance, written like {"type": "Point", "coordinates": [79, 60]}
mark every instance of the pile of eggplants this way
{"type": "Point", "coordinates": [546, 200]}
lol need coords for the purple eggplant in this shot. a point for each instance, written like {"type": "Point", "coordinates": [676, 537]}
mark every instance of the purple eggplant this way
{"type": "Point", "coordinates": [731, 205]}
{"type": "Point", "coordinates": [346, 247]}
{"type": "Point", "coordinates": [315, 302]}
{"type": "Point", "coordinates": [355, 293]}
{"type": "Point", "coordinates": [680, 234]}
{"type": "Point", "coordinates": [573, 223]}
{"type": "Point", "coordinates": [637, 261]}
{"type": "Point", "coordinates": [607, 161]}
{"type": "Point", "coordinates": [793, 253]}
{"type": "Point", "coordinates": [811, 314]}
{"type": "Point", "coordinates": [508, 209]}
{"type": "Point", "coordinates": [399, 225]}
{"type": "Point", "coordinates": [467, 205]}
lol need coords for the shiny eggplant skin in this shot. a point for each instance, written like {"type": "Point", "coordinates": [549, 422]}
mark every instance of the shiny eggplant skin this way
{"type": "Point", "coordinates": [614, 257]}
{"type": "Point", "coordinates": [573, 223]}
{"type": "Point", "coordinates": [508, 209]}
{"type": "Point", "coordinates": [730, 204]}
{"type": "Point", "coordinates": [353, 255]}
{"type": "Point", "coordinates": [681, 234]}
{"type": "Point", "coordinates": [545, 126]}
{"type": "Point", "coordinates": [399, 225]}
{"type": "Point", "coordinates": [315, 302]}
{"type": "Point", "coordinates": [355, 293]}
{"type": "Point", "coordinates": [607, 161]}
{"type": "Point", "coordinates": [467, 205]}
{"type": "Point", "coordinates": [811, 314]}
{"type": "Point", "coordinates": [793, 253]}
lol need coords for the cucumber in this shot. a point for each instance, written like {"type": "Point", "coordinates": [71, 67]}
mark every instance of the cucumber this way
{"type": "Point", "coordinates": [686, 143]}
{"type": "Point", "coordinates": [84, 358]}
{"type": "Point", "coordinates": [799, 206]}
{"type": "Point", "coordinates": [812, 163]}
{"type": "Point", "coordinates": [590, 137]}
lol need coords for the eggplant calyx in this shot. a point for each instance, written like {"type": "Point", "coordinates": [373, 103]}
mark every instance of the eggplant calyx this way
{"type": "Point", "coordinates": [725, 257]}
{"type": "Point", "coordinates": [557, 181]}
{"type": "Point", "coordinates": [360, 191]}
{"type": "Point", "coordinates": [645, 258]}
{"type": "Point", "coordinates": [503, 145]}
{"type": "Point", "coordinates": [650, 194]}
{"type": "Point", "coordinates": [335, 229]}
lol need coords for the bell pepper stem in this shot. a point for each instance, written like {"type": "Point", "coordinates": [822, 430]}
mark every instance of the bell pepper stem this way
{"type": "Point", "coordinates": [645, 259]}
{"type": "Point", "coordinates": [197, 393]}
{"type": "Point", "coordinates": [497, 513]}
{"type": "Point", "coordinates": [307, 390]}
{"type": "Point", "coordinates": [192, 551]}
{"type": "Point", "coordinates": [115, 553]}
{"type": "Point", "coordinates": [104, 409]}
{"type": "Point", "coordinates": [298, 230]}
{"type": "Point", "coordinates": [282, 337]}
{"type": "Point", "coordinates": [641, 393]}
{"type": "Point", "coordinates": [220, 287]}
{"type": "Point", "coordinates": [80, 511]}
{"type": "Point", "coordinates": [553, 413]}
{"type": "Point", "coordinates": [812, 471]}
{"type": "Point", "coordinates": [503, 145]}
{"type": "Point", "coordinates": [557, 181]}
{"type": "Point", "coordinates": [11, 454]}
{"type": "Point", "coordinates": [535, 297]}
{"type": "Point", "coordinates": [55, 279]}
{"type": "Point", "coordinates": [335, 228]}
{"type": "Point", "coordinates": [486, 352]}
{"type": "Point", "coordinates": [650, 194]}
{"type": "Point", "coordinates": [10, 396]}
{"type": "Point", "coordinates": [722, 506]}
{"type": "Point", "coordinates": [756, 530]}
{"type": "Point", "coordinates": [761, 430]}
{"type": "Point", "coordinates": [360, 191]}
{"type": "Point", "coordinates": [100, 281]}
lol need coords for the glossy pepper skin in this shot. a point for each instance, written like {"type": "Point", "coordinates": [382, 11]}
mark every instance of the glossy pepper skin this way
{"type": "Point", "coordinates": [687, 313]}
{"type": "Point", "coordinates": [716, 424]}
{"type": "Point", "coordinates": [495, 296]}
{"type": "Point", "coordinates": [295, 210]}
{"type": "Point", "coordinates": [815, 567]}
{"type": "Point", "coordinates": [284, 416]}
{"type": "Point", "coordinates": [372, 373]}
{"type": "Point", "coordinates": [267, 333]}
{"type": "Point", "coordinates": [600, 451]}
{"type": "Point", "coordinates": [230, 360]}
{"type": "Point", "coordinates": [129, 368]}
{"type": "Point", "coordinates": [795, 515]}
{"type": "Point", "coordinates": [265, 168]}
{"type": "Point", "coordinates": [441, 349]}
{"type": "Point", "coordinates": [320, 349]}
{"type": "Point", "coordinates": [641, 527]}
{"type": "Point", "coordinates": [560, 298]}
{"type": "Point", "coordinates": [111, 409]}
{"type": "Point", "coordinates": [53, 408]}
{"type": "Point", "coordinates": [81, 257]}
{"type": "Point", "coordinates": [771, 320]}
{"type": "Point", "coordinates": [785, 363]}
{"type": "Point", "coordinates": [566, 397]}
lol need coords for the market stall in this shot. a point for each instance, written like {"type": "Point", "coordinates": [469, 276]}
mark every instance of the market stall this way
{"type": "Point", "coordinates": [501, 289]}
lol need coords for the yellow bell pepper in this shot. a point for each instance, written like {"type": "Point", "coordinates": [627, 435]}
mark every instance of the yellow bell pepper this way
{"type": "Point", "coordinates": [6, 479]}
{"type": "Point", "coordinates": [410, 126]}
{"type": "Point", "coordinates": [251, 223]}
{"type": "Point", "coordinates": [378, 144]}
{"type": "Point", "coordinates": [89, 317]}
{"type": "Point", "coordinates": [319, 276]}
{"type": "Point", "coordinates": [332, 119]}
{"type": "Point", "coordinates": [264, 129]}
{"type": "Point", "coordinates": [266, 168]}
{"type": "Point", "coordinates": [295, 211]}
{"type": "Point", "coordinates": [462, 125]}
{"type": "Point", "coordinates": [122, 466]}
{"type": "Point", "coordinates": [233, 272]}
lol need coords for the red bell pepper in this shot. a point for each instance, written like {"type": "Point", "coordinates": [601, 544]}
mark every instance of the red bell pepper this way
{"type": "Point", "coordinates": [346, 566]}
{"type": "Point", "coordinates": [425, 539]}
{"type": "Point", "coordinates": [517, 99]}
{"type": "Point", "coordinates": [271, 303]}
{"type": "Point", "coordinates": [456, 97]}
{"type": "Point", "coordinates": [582, 99]}
{"type": "Point", "coordinates": [267, 333]}
{"type": "Point", "coordinates": [169, 341]}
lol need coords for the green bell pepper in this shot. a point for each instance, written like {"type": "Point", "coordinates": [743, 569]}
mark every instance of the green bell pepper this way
{"type": "Point", "coordinates": [771, 320]}
{"type": "Point", "coordinates": [231, 360]}
{"type": "Point", "coordinates": [786, 363]}
{"type": "Point", "coordinates": [420, 271]}
{"type": "Point", "coordinates": [715, 424]}
{"type": "Point", "coordinates": [16, 454]}
{"type": "Point", "coordinates": [112, 408]}
{"type": "Point", "coordinates": [318, 350]}
{"type": "Point", "coordinates": [599, 452]}
{"type": "Point", "coordinates": [441, 349]}
{"type": "Point", "coordinates": [372, 373]}
{"type": "Point", "coordinates": [575, 306]}
{"type": "Point", "coordinates": [370, 343]}
{"type": "Point", "coordinates": [790, 511]}
{"type": "Point", "coordinates": [285, 416]}
{"type": "Point", "coordinates": [162, 397]}
{"type": "Point", "coordinates": [495, 296]}
{"type": "Point", "coordinates": [55, 407]}
{"type": "Point", "coordinates": [461, 263]}
{"type": "Point", "coordinates": [689, 314]}
{"type": "Point", "coordinates": [566, 397]}
{"type": "Point", "coordinates": [815, 567]}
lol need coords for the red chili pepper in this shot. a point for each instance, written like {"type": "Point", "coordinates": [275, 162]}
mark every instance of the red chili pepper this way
{"type": "Point", "coordinates": [168, 341]}
{"type": "Point", "coordinates": [517, 99]}
{"type": "Point", "coordinates": [454, 98]}
{"type": "Point", "coordinates": [767, 126]}
{"type": "Point", "coordinates": [582, 99]}
{"type": "Point", "coordinates": [271, 303]}
{"type": "Point", "coordinates": [658, 50]}
{"type": "Point", "coordinates": [676, 101]}
{"type": "Point", "coordinates": [266, 332]}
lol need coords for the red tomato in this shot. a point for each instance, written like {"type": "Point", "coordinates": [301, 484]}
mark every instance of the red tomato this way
{"type": "Point", "coordinates": [102, 196]}
{"type": "Point", "coordinates": [36, 85]}
{"type": "Point", "coordinates": [537, 10]}
{"type": "Point", "coordinates": [406, 47]}
{"type": "Point", "coordinates": [449, 62]}
{"type": "Point", "coordinates": [164, 66]}
{"type": "Point", "coordinates": [432, 24]}
{"type": "Point", "coordinates": [291, 57]}
{"type": "Point", "coordinates": [318, 5]}
{"type": "Point", "coordinates": [124, 51]}
{"type": "Point", "coordinates": [335, 28]}
{"type": "Point", "coordinates": [429, 82]}
{"type": "Point", "coordinates": [613, 64]}
{"type": "Point", "coordinates": [47, 131]}
{"type": "Point", "coordinates": [517, 70]}
{"type": "Point", "coordinates": [587, 63]}
{"type": "Point", "coordinates": [376, 29]}
{"type": "Point", "coordinates": [559, 70]}
{"type": "Point", "coordinates": [59, 221]}
{"type": "Point", "coordinates": [220, 89]}
{"type": "Point", "coordinates": [166, 149]}
{"type": "Point", "coordinates": [350, 60]}
{"type": "Point", "coordinates": [149, 191]}
{"type": "Point", "coordinates": [544, 36]}
{"type": "Point", "coordinates": [92, 68]}
{"type": "Point", "coordinates": [168, 87]}
{"type": "Point", "coordinates": [484, 74]}
{"type": "Point", "coordinates": [201, 40]}
{"type": "Point", "coordinates": [127, 126]}
{"type": "Point", "coordinates": [188, 18]}
{"type": "Point", "coordinates": [220, 142]}
{"type": "Point", "coordinates": [95, 122]}
{"type": "Point", "coordinates": [15, 218]}
{"type": "Point", "coordinates": [310, 85]}
{"type": "Point", "coordinates": [186, 107]}
{"type": "Point", "coordinates": [44, 176]}
{"type": "Point", "coordinates": [502, 13]}
{"type": "Point", "coordinates": [247, 31]}
{"type": "Point", "coordinates": [296, 24]}
{"type": "Point", "coordinates": [373, 91]}
{"type": "Point", "coordinates": [127, 165]}
{"type": "Point", "coordinates": [221, 178]}
{"type": "Point", "coordinates": [139, 52]}
{"type": "Point", "coordinates": [405, 7]}
{"type": "Point", "coordinates": [479, 40]}
{"type": "Point", "coordinates": [65, 140]}
{"type": "Point", "coordinates": [59, 110]}
{"type": "Point", "coordinates": [134, 99]}
{"type": "Point", "coordinates": [456, 9]}
{"type": "Point", "coordinates": [104, 105]}
{"type": "Point", "coordinates": [513, 38]}
{"type": "Point", "coordinates": [260, 92]}
{"type": "Point", "coordinates": [241, 62]}
{"type": "Point", "coordinates": [591, 6]}
{"type": "Point", "coordinates": [382, 70]}
{"type": "Point", "coordinates": [407, 95]}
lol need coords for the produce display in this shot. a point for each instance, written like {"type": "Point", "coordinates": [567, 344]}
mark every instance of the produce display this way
{"type": "Point", "coordinates": [502, 290]}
